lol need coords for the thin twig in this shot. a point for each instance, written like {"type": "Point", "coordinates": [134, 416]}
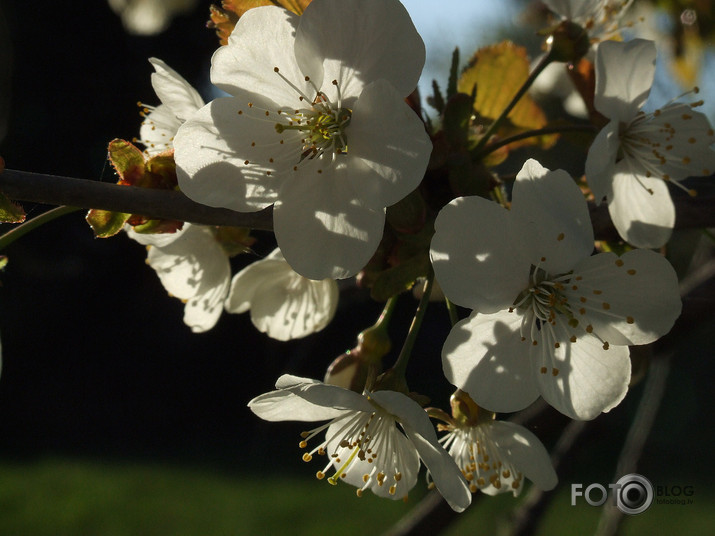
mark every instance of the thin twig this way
{"type": "Point", "coordinates": [641, 426]}
{"type": "Point", "coordinates": [525, 518]}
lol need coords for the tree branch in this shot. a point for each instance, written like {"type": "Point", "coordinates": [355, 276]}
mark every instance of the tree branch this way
{"type": "Point", "coordinates": [692, 212]}
{"type": "Point", "coordinates": [160, 204]}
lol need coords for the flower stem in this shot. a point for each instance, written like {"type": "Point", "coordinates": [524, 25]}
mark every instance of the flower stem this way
{"type": "Point", "coordinates": [386, 314]}
{"type": "Point", "coordinates": [545, 60]}
{"type": "Point", "coordinates": [452, 310]}
{"type": "Point", "coordinates": [401, 364]}
{"type": "Point", "coordinates": [556, 129]}
{"type": "Point", "coordinates": [24, 228]}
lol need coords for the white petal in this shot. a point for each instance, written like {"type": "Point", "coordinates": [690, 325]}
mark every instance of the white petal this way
{"type": "Point", "coordinates": [414, 420]}
{"type": "Point", "coordinates": [294, 307]}
{"type": "Point", "coordinates": [357, 42]}
{"type": "Point", "coordinates": [554, 216]}
{"type": "Point", "coordinates": [485, 356]}
{"type": "Point", "coordinates": [203, 311]}
{"type": "Point", "coordinates": [640, 289]}
{"type": "Point", "coordinates": [307, 401]}
{"type": "Point", "coordinates": [641, 207]}
{"type": "Point", "coordinates": [261, 41]}
{"type": "Point", "coordinates": [247, 283]}
{"type": "Point", "coordinates": [589, 379]}
{"type": "Point", "coordinates": [524, 450]}
{"type": "Point", "coordinates": [388, 136]}
{"type": "Point", "coordinates": [624, 76]}
{"type": "Point", "coordinates": [683, 137]}
{"type": "Point", "coordinates": [210, 152]}
{"type": "Point", "coordinates": [601, 161]}
{"type": "Point", "coordinates": [158, 129]}
{"type": "Point", "coordinates": [475, 255]}
{"type": "Point", "coordinates": [287, 406]}
{"type": "Point", "coordinates": [321, 227]}
{"type": "Point", "coordinates": [570, 9]}
{"type": "Point", "coordinates": [195, 268]}
{"type": "Point", "coordinates": [156, 239]}
{"type": "Point", "coordinates": [174, 91]}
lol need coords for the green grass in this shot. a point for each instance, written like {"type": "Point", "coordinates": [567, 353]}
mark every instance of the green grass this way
{"type": "Point", "coordinates": [491, 516]}
{"type": "Point", "coordinates": [75, 497]}
{"type": "Point", "coordinates": [64, 497]}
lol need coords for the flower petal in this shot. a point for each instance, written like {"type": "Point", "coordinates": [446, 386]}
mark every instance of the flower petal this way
{"type": "Point", "coordinates": [321, 227]}
{"type": "Point", "coordinates": [203, 311]}
{"type": "Point", "coordinates": [262, 40]}
{"type": "Point", "coordinates": [294, 307]}
{"type": "Point", "coordinates": [638, 298]}
{"type": "Point", "coordinates": [388, 136]}
{"type": "Point", "coordinates": [158, 129]}
{"type": "Point", "coordinates": [174, 91]}
{"type": "Point", "coordinates": [247, 283]}
{"type": "Point", "coordinates": [588, 379]}
{"type": "Point", "coordinates": [401, 454]}
{"type": "Point", "coordinates": [485, 356]}
{"type": "Point", "coordinates": [416, 424]}
{"type": "Point", "coordinates": [211, 149]}
{"type": "Point", "coordinates": [306, 400]}
{"type": "Point", "coordinates": [624, 76]}
{"type": "Point", "coordinates": [679, 140]}
{"type": "Point", "coordinates": [553, 212]}
{"type": "Point", "coordinates": [601, 161]}
{"type": "Point", "coordinates": [481, 269]}
{"type": "Point", "coordinates": [524, 450]}
{"type": "Point", "coordinates": [356, 42]}
{"type": "Point", "coordinates": [194, 267]}
{"type": "Point", "coordinates": [641, 207]}
{"type": "Point", "coordinates": [155, 239]}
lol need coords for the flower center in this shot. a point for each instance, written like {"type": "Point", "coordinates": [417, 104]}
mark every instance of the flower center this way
{"type": "Point", "coordinates": [479, 458]}
{"type": "Point", "coordinates": [323, 124]}
{"type": "Point", "coordinates": [356, 439]}
{"type": "Point", "coordinates": [545, 300]}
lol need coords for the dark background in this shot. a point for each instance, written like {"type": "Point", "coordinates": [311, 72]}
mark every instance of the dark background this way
{"type": "Point", "coordinates": [96, 359]}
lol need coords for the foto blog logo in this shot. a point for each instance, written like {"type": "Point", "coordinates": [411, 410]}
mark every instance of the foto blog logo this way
{"type": "Point", "coordinates": [633, 494]}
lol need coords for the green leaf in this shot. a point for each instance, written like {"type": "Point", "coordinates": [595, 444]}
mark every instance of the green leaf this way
{"type": "Point", "coordinates": [127, 160]}
{"type": "Point", "coordinates": [105, 223]}
{"type": "Point", "coordinates": [10, 212]}
{"type": "Point", "coordinates": [457, 119]}
{"type": "Point", "coordinates": [452, 82]}
{"type": "Point", "coordinates": [499, 71]}
{"type": "Point", "coordinates": [436, 100]}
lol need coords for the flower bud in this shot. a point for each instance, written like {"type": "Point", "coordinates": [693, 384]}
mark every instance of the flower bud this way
{"type": "Point", "coordinates": [569, 42]}
{"type": "Point", "coordinates": [352, 369]}
{"type": "Point", "coordinates": [466, 412]}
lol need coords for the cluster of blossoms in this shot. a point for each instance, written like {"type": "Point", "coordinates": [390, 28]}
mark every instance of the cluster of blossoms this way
{"type": "Point", "coordinates": [317, 126]}
{"type": "Point", "coordinates": [192, 263]}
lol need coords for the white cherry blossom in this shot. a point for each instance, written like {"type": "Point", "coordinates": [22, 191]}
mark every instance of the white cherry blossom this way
{"type": "Point", "coordinates": [283, 304]}
{"type": "Point", "coordinates": [637, 154]}
{"type": "Point", "coordinates": [549, 319]}
{"type": "Point", "coordinates": [494, 456]}
{"type": "Point", "coordinates": [316, 125]}
{"type": "Point", "coordinates": [600, 18]}
{"type": "Point", "coordinates": [363, 443]}
{"type": "Point", "coordinates": [193, 267]}
{"type": "Point", "coordinates": [149, 17]}
{"type": "Point", "coordinates": [178, 101]}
